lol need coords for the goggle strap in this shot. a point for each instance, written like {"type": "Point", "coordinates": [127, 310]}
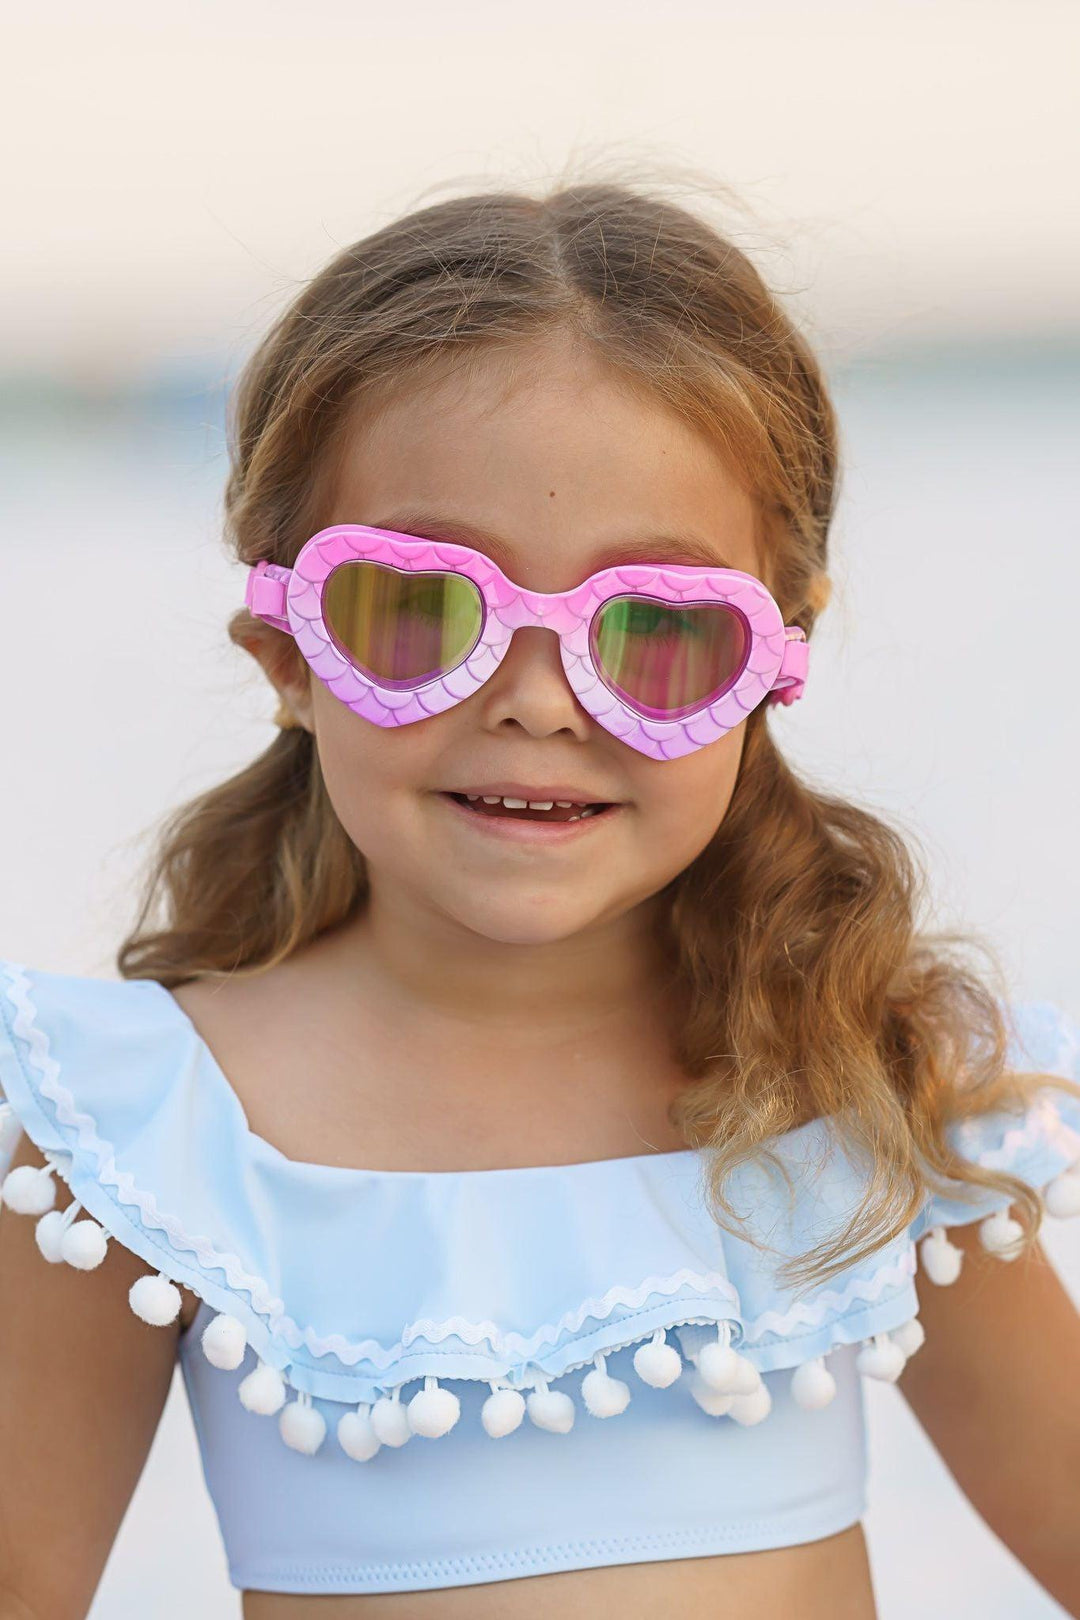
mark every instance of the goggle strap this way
{"type": "Point", "coordinates": [264, 594]}
{"type": "Point", "coordinates": [791, 676]}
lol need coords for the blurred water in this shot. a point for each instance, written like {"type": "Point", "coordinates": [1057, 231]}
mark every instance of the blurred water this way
{"type": "Point", "coordinates": [941, 694]}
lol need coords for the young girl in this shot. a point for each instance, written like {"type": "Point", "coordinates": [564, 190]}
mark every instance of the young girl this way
{"type": "Point", "coordinates": [533, 1112]}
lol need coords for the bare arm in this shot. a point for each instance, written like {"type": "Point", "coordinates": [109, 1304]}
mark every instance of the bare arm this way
{"type": "Point", "coordinates": [83, 1381]}
{"type": "Point", "coordinates": [997, 1390]}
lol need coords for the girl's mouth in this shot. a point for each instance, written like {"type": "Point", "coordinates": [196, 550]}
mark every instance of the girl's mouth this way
{"type": "Point", "coordinates": [557, 825]}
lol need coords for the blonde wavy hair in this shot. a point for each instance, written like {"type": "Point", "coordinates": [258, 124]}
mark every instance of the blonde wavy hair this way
{"type": "Point", "coordinates": [810, 989]}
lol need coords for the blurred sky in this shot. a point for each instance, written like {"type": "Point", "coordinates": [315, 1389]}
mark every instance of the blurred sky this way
{"type": "Point", "coordinates": [181, 167]}
{"type": "Point", "coordinates": [909, 170]}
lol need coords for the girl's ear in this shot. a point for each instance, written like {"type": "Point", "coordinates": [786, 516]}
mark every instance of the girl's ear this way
{"type": "Point", "coordinates": [285, 669]}
{"type": "Point", "coordinates": [820, 592]}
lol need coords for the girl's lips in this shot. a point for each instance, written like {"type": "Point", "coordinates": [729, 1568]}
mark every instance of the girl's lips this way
{"type": "Point", "coordinates": [520, 830]}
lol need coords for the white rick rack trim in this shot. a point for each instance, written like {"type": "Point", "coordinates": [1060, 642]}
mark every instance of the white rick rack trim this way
{"type": "Point", "coordinates": [723, 1382]}
{"type": "Point", "coordinates": [862, 1289]}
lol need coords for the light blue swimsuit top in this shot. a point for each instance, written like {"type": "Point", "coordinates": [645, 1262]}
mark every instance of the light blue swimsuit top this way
{"type": "Point", "coordinates": [559, 1321]}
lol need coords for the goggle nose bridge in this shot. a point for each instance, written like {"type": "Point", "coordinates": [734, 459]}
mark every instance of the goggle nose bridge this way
{"type": "Point", "coordinates": [539, 609]}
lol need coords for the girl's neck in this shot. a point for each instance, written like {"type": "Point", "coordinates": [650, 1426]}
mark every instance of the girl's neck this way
{"type": "Point", "coordinates": [433, 972]}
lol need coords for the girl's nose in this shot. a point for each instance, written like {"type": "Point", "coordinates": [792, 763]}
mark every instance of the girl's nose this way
{"type": "Point", "coordinates": [535, 653]}
{"type": "Point", "coordinates": [531, 687]}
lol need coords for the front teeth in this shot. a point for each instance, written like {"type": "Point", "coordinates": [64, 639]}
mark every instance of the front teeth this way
{"type": "Point", "coordinates": [533, 804]}
{"type": "Point", "coordinates": [521, 804]}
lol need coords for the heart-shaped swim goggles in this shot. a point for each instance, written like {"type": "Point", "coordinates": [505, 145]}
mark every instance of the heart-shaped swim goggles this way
{"type": "Point", "coordinates": [666, 657]}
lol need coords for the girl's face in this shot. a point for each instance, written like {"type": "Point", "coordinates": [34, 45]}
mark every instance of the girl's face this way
{"type": "Point", "coordinates": [561, 463]}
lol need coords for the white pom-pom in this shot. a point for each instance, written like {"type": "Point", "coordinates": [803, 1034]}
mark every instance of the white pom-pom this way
{"type": "Point", "coordinates": [433, 1411]}
{"type": "Point", "coordinates": [390, 1420]}
{"type": "Point", "coordinates": [356, 1437]}
{"type": "Point", "coordinates": [83, 1246]}
{"type": "Point", "coordinates": [941, 1260]}
{"type": "Point", "coordinates": [709, 1399]}
{"type": "Point", "coordinates": [262, 1391]}
{"type": "Point", "coordinates": [301, 1426]}
{"type": "Point", "coordinates": [155, 1299]}
{"type": "Point", "coordinates": [49, 1232]}
{"type": "Point", "coordinates": [1000, 1235]}
{"type": "Point", "coordinates": [813, 1385]}
{"type": "Point", "coordinates": [748, 1409]}
{"type": "Point", "coordinates": [9, 1125]}
{"type": "Point", "coordinates": [910, 1336]}
{"type": "Point", "coordinates": [603, 1395]}
{"type": "Point", "coordinates": [1062, 1195]}
{"type": "Point", "coordinates": [29, 1189]}
{"type": "Point", "coordinates": [747, 1378]}
{"type": "Point", "coordinates": [223, 1342]}
{"type": "Point", "coordinates": [658, 1363]}
{"type": "Point", "coordinates": [881, 1357]}
{"type": "Point", "coordinates": [551, 1409]}
{"type": "Point", "coordinates": [502, 1412]}
{"type": "Point", "coordinates": [718, 1363]}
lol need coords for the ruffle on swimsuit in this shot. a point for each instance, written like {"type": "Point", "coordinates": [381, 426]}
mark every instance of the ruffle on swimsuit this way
{"type": "Point", "coordinates": [351, 1285]}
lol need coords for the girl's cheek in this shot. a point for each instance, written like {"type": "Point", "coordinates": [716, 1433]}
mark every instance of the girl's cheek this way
{"type": "Point", "coordinates": [699, 786]}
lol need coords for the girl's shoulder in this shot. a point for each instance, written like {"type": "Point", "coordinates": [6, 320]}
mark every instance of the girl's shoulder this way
{"type": "Point", "coordinates": [1040, 1144]}
{"type": "Point", "coordinates": [351, 1281]}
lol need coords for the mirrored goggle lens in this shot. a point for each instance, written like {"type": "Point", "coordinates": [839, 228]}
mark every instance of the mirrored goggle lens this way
{"type": "Point", "coordinates": [668, 661]}
{"type": "Point", "coordinates": [401, 628]}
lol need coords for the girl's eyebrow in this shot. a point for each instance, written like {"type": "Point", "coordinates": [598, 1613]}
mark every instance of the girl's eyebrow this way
{"type": "Point", "coordinates": [691, 550]}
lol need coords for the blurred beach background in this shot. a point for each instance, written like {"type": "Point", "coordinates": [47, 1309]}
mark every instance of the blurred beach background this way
{"type": "Point", "coordinates": [910, 171]}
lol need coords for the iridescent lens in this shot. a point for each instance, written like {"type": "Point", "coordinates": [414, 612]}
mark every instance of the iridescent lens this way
{"type": "Point", "coordinates": [401, 628]}
{"type": "Point", "coordinates": [667, 661]}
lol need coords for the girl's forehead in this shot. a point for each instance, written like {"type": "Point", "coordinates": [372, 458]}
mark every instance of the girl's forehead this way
{"type": "Point", "coordinates": [688, 548]}
{"type": "Point", "coordinates": [583, 483]}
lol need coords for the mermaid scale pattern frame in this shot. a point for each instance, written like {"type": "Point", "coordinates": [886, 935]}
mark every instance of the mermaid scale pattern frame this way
{"type": "Point", "coordinates": [291, 600]}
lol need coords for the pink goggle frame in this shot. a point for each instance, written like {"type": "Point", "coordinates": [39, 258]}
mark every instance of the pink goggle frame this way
{"type": "Point", "coordinates": [773, 665]}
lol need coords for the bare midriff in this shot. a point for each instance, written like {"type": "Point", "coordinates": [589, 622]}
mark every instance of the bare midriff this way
{"type": "Point", "coordinates": [820, 1580]}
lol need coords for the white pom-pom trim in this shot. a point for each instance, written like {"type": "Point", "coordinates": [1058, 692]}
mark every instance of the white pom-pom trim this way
{"type": "Point", "coordinates": [433, 1411]}
{"type": "Point", "coordinates": [301, 1425]}
{"type": "Point", "coordinates": [749, 1409]}
{"type": "Point", "coordinates": [83, 1245]}
{"type": "Point", "coordinates": [224, 1342]}
{"type": "Point", "coordinates": [356, 1437]}
{"type": "Point", "coordinates": [263, 1390]}
{"type": "Point", "coordinates": [29, 1189]}
{"type": "Point", "coordinates": [1062, 1195]}
{"type": "Point", "coordinates": [155, 1299]}
{"type": "Point", "coordinates": [941, 1260]}
{"type": "Point", "coordinates": [709, 1399]}
{"type": "Point", "coordinates": [813, 1385]}
{"type": "Point", "coordinates": [723, 1369]}
{"type": "Point", "coordinates": [49, 1231]}
{"type": "Point", "coordinates": [603, 1395]}
{"type": "Point", "coordinates": [718, 1363]}
{"type": "Point", "coordinates": [723, 1382]}
{"type": "Point", "coordinates": [390, 1420]}
{"type": "Point", "coordinates": [910, 1336]}
{"type": "Point", "coordinates": [9, 1125]}
{"type": "Point", "coordinates": [746, 1409]}
{"type": "Point", "coordinates": [657, 1362]}
{"type": "Point", "coordinates": [1000, 1235]}
{"type": "Point", "coordinates": [550, 1409]}
{"type": "Point", "coordinates": [881, 1357]}
{"type": "Point", "coordinates": [503, 1411]}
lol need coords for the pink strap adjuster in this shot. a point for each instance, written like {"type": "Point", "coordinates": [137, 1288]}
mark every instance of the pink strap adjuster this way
{"type": "Point", "coordinates": [791, 677]}
{"type": "Point", "coordinates": [264, 594]}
